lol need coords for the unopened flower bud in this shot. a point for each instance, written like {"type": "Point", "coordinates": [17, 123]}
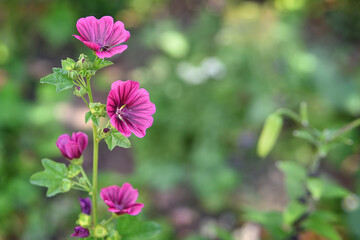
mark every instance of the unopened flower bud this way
{"type": "Point", "coordinates": [79, 91]}
{"type": "Point", "coordinates": [72, 147]}
{"type": "Point", "coordinates": [84, 220]}
{"type": "Point", "coordinates": [82, 181]}
{"type": "Point", "coordinates": [84, 62]}
{"type": "Point", "coordinates": [73, 74]}
{"type": "Point", "coordinates": [68, 64]}
{"type": "Point", "coordinates": [97, 109]}
{"type": "Point", "coordinates": [105, 130]}
{"type": "Point", "coordinates": [100, 231]}
{"type": "Point", "coordinates": [65, 185]}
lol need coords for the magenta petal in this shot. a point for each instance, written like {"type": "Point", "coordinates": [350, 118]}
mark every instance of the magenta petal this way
{"type": "Point", "coordinates": [129, 108]}
{"type": "Point", "coordinates": [61, 142]}
{"type": "Point", "coordinates": [104, 29]}
{"type": "Point", "coordinates": [112, 51]}
{"type": "Point", "coordinates": [102, 35]}
{"type": "Point", "coordinates": [135, 209]}
{"type": "Point", "coordinates": [85, 204]}
{"type": "Point", "coordinates": [81, 139]}
{"type": "Point", "coordinates": [80, 232]}
{"type": "Point", "coordinates": [120, 126]}
{"type": "Point", "coordinates": [118, 35]}
{"type": "Point", "coordinates": [121, 200]}
{"type": "Point", "coordinates": [87, 28]}
{"type": "Point", "coordinates": [72, 150]}
{"type": "Point", "coordinates": [91, 45]}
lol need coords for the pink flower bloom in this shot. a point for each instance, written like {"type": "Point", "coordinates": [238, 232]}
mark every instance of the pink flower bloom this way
{"type": "Point", "coordinates": [80, 232]}
{"type": "Point", "coordinates": [102, 35]}
{"type": "Point", "coordinates": [72, 147]}
{"type": "Point", "coordinates": [129, 108]}
{"type": "Point", "coordinates": [121, 200]}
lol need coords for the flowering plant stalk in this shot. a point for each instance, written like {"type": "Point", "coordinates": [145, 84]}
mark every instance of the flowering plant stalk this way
{"type": "Point", "coordinates": [128, 110]}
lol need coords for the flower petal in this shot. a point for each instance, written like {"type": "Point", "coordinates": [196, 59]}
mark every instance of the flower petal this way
{"type": "Point", "coordinates": [72, 150]}
{"type": "Point", "coordinates": [135, 209]}
{"type": "Point", "coordinates": [81, 139]}
{"type": "Point", "coordinates": [104, 29]}
{"type": "Point", "coordinates": [111, 52]}
{"type": "Point", "coordinates": [61, 142]}
{"type": "Point", "coordinates": [120, 125]}
{"type": "Point", "coordinates": [80, 232]}
{"type": "Point", "coordinates": [85, 204]}
{"type": "Point", "coordinates": [87, 28]}
{"type": "Point", "coordinates": [118, 34]}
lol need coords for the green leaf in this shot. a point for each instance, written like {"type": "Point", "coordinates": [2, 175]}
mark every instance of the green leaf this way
{"type": "Point", "coordinates": [269, 134]}
{"type": "Point", "coordinates": [295, 176]}
{"type": "Point", "coordinates": [293, 211]}
{"type": "Point", "coordinates": [333, 190]}
{"type": "Point", "coordinates": [52, 177]}
{"type": "Point", "coordinates": [95, 120]}
{"type": "Point", "coordinates": [87, 116]}
{"type": "Point", "coordinates": [132, 228]}
{"type": "Point", "coordinates": [101, 63]}
{"type": "Point", "coordinates": [272, 221]}
{"type": "Point", "coordinates": [117, 139]}
{"type": "Point", "coordinates": [316, 187]}
{"type": "Point", "coordinates": [59, 78]}
{"type": "Point", "coordinates": [319, 223]}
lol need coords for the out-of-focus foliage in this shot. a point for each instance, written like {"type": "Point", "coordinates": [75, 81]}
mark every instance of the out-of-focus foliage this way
{"type": "Point", "coordinates": [215, 69]}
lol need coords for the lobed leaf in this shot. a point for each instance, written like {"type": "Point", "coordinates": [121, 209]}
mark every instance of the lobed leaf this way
{"type": "Point", "coordinates": [52, 177]}
{"type": "Point", "coordinates": [117, 139]}
{"type": "Point", "coordinates": [59, 78]}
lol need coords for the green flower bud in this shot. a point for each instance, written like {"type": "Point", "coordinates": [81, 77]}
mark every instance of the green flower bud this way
{"type": "Point", "coordinates": [84, 62]}
{"type": "Point", "coordinates": [74, 170]}
{"type": "Point", "coordinates": [68, 64]}
{"type": "Point", "coordinates": [83, 181]}
{"type": "Point", "coordinates": [84, 220]}
{"type": "Point", "coordinates": [73, 74]}
{"type": "Point", "coordinates": [97, 109]}
{"type": "Point", "coordinates": [100, 231]}
{"type": "Point", "coordinates": [65, 185]}
{"type": "Point", "coordinates": [79, 91]}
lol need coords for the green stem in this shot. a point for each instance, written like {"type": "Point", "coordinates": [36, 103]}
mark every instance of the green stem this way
{"type": "Point", "coordinates": [110, 219]}
{"type": "Point", "coordinates": [95, 162]}
{"type": "Point", "coordinates": [85, 176]}
{"type": "Point", "coordinates": [95, 174]}
{"type": "Point", "coordinates": [85, 101]}
{"type": "Point", "coordinates": [345, 129]}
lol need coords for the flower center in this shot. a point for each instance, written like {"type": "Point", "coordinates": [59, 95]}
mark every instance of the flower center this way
{"type": "Point", "coordinates": [121, 111]}
{"type": "Point", "coordinates": [119, 206]}
{"type": "Point", "coordinates": [104, 48]}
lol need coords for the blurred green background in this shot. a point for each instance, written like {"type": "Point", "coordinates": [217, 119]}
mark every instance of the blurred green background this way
{"type": "Point", "coordinates": [215, 69]}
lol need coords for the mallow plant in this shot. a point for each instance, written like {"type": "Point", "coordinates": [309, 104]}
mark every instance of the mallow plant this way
{"type": "Point", "coordinates": [128, 110]}
{"type": "Point", "coordinates": [309, 189]}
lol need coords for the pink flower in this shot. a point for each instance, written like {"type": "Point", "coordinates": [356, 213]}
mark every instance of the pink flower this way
{"type": "Point", "coordinates": [102, 35]}
{"type": "Point", "coordinates": [129, 108]}
{"type": "Point", "coordinates": [121, 200]}
{"type": "Point", "coordinates": [72, 147]}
